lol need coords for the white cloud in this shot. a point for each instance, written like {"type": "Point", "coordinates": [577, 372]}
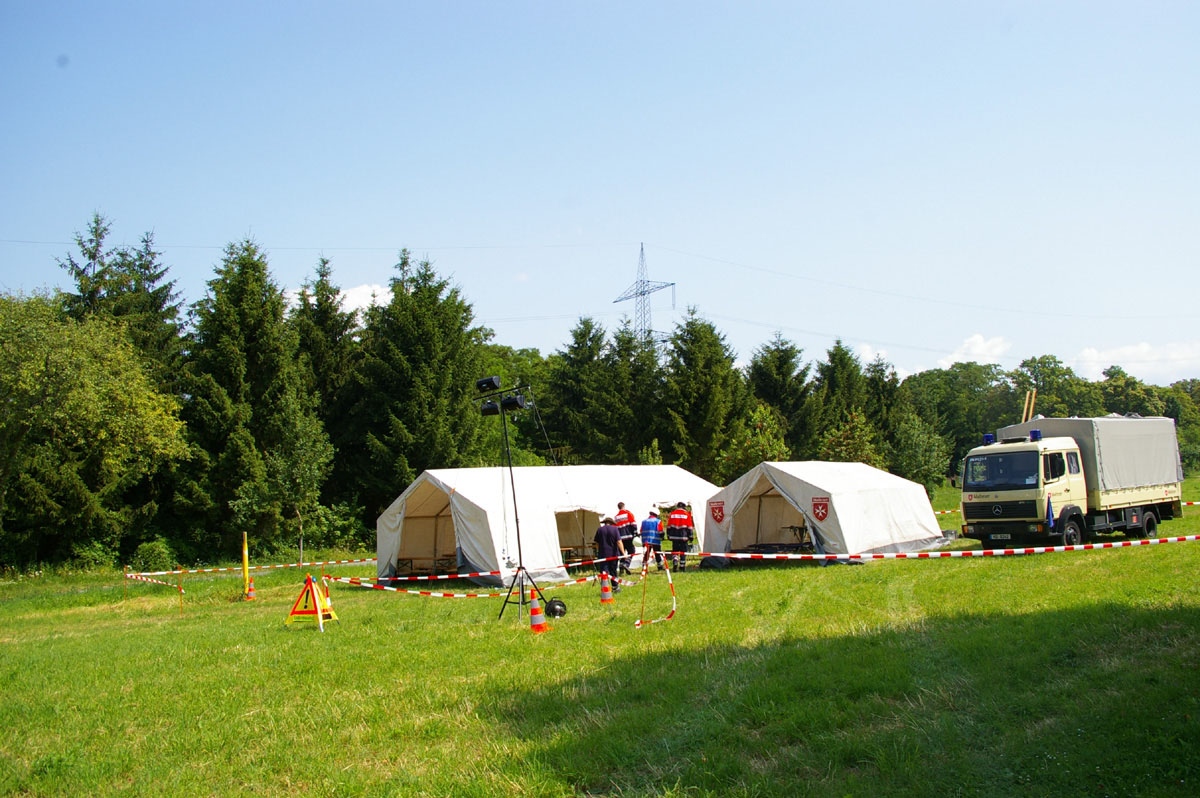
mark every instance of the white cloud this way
{"type": "Point", "coordinates": [1157, 365]}
{"type": "Point", "coordinates": [977, 349]}
{"type": "Point", "coordinates": [357, 298]}
{"type": "Point", "coordinates": [867, 353]}
{"type": "Point", "coordinates": [360, 296]}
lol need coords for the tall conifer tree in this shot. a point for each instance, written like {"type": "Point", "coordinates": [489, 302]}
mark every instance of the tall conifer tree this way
{"type": "Point", "coordinates": [413, 388]}
{"type": "Point", "coordinates": [633, 395]}
{"type": "Point", "coordinates": [128, 285]}
{"type": "Point", "coordinates": [326, 340]}
{"type": "Point", "coordinates": [578, 401]}
{"type": "Point", "coordinates": [777, 378]}
{"type": "Point", "coordinates": [705, 395]}
{"type": "Point", "coordinates": [328, 347]}
{"type": "Point", "coordinates": [250, 421]}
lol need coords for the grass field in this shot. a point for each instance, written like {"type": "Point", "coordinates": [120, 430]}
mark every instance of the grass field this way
{"type": "Point", "coordinates": [1057, 674]}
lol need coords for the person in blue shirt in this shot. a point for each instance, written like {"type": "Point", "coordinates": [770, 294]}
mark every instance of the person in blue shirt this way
{"type": "Point", "coordinates": [651, 533]}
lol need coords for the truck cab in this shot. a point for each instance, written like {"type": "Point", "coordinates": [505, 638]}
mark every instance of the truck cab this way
{"type": "Point", "coordinates": [1019, 488]}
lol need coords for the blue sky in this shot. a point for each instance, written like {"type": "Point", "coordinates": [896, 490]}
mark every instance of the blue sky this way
{"type": "Point", "coordinates": [927, 180]}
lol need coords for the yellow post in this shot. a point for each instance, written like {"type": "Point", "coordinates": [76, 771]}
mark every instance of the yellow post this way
{"type": "Point", "coordinates": [245, 566]}
{"type": "Point", "coordinates": [180, 569]}
{"type": "Point", "coordinates": [125, 587]}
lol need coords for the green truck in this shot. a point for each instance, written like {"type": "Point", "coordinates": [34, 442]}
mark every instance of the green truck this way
{"type": "Point", "coordinates": [1060, 481]}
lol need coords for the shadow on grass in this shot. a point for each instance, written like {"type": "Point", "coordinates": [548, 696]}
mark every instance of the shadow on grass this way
{"type": "Point", "coordinates": [1091, 701]}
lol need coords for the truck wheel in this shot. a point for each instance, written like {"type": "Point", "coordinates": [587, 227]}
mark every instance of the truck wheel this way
{"type": "Point", "coordinates": [1149, 526]}
{"type": "Point", "coordinates": [1071, 534]}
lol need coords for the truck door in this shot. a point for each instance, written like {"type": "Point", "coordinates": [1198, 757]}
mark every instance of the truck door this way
{"type": "Point", "coordinates": [1063, 479]}
{"type": "Point", "coordinates": [1076, 486]}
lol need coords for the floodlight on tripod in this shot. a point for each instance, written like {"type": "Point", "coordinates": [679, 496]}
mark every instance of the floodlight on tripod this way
{"type": "Point", "coordinates": [489, 388]}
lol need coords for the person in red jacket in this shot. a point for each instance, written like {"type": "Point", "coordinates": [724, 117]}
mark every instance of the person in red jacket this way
{"type": "Point", "coordinates": [681, 530]}
{"type": "Point", "coordinates": [625, 522]}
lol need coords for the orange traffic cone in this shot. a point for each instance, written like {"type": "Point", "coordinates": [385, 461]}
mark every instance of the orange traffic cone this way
{"type": "Point", "coordinates": [537, 621]}
{"type": "Point", "coordinates": [250, 590]}
{"type": "Point", "coordinates": [606, 596]}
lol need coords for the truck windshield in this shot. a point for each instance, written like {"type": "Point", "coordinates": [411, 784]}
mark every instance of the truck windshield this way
{"type": "Point", "coordinates": [1001, 471]}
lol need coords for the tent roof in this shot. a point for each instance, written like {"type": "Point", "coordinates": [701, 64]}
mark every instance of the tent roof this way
{"type": "Point", "coordinates": [557, 488]}
{"type": "Point", "coordinates": [845, 478]}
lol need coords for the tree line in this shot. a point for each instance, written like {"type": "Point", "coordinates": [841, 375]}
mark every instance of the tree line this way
{"type": "Point", "coordinates": [128, 418]}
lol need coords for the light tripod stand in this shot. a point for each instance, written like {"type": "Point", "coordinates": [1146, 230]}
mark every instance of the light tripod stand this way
{"type": "Point", "coordinates": [489, 388]}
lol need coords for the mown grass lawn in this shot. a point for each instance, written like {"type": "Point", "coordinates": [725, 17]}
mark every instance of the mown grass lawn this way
{"type": "Point", "coordinates": [1058, 674]}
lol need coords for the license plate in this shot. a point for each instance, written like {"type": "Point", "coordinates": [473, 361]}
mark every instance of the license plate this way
{"type": "Point", "coordinates": [1002, 537]}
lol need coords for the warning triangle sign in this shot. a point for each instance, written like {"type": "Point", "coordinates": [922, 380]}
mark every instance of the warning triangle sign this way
{"type": "Point", "coordinates": [311, 606]}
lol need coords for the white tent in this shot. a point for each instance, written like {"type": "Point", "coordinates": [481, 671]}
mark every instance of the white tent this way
{"type": "Point", "coordinates": [846, 508]}
{"type": "Point", "coordinates": [463, 518]}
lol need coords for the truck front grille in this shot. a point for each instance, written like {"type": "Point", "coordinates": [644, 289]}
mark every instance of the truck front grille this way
{"type": "Point", "coordinates": [987, 511]}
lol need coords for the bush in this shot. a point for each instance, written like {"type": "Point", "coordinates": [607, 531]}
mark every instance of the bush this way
{"type": "Point", "coordinates": [337, 527]}
{"type": "Point", "coordinates": [92, 555]}
{"type": "Point", "coordinates": [153, 555]}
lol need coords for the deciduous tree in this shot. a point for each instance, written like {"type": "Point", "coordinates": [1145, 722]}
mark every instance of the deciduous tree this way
{"type": "Point", "coordinates": [80, 421]}
{"type": "Point", "coordinates": [851, 441]}
{"type": "Point", "coordinates": [755, 439]}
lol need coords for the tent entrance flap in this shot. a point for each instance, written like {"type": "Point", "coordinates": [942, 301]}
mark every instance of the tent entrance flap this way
{"type": "Point", "coordinates": [429, 542]}
{"type": "Point", "coordinates": [768, 518]}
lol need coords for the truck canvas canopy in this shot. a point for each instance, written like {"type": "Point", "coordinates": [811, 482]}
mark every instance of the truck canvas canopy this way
{"type": "Point", "coordinates": [1118, 451]}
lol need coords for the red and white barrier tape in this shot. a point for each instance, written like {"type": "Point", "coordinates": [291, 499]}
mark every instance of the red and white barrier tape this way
{"type": "Point", "coordinates": [440, 577]}
{"type": "Point", "coordinates": [252, 567]}
{"type": "Point", "coordinates": [933, 555]}
{"type": "Point", "coordinates": [614, 557]}
{"type": "Point", "coordinates": [359, 583]}
{"type": "Point", "coordinates": [579, 581]}
{"type": "Point", "coordinates": [639, 623]}
{"type": "Point", "coordinates": [615, 579]}
{"type": "Point", "coordinates": [141, 578]}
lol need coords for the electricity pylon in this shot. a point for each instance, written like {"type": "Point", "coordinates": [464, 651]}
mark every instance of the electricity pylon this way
{"type": "Point", "coordinates": [641, 289]}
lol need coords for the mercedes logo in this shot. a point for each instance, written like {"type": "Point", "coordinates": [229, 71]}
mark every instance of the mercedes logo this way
{"type": "Point", "coordinates": [997, 510]}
